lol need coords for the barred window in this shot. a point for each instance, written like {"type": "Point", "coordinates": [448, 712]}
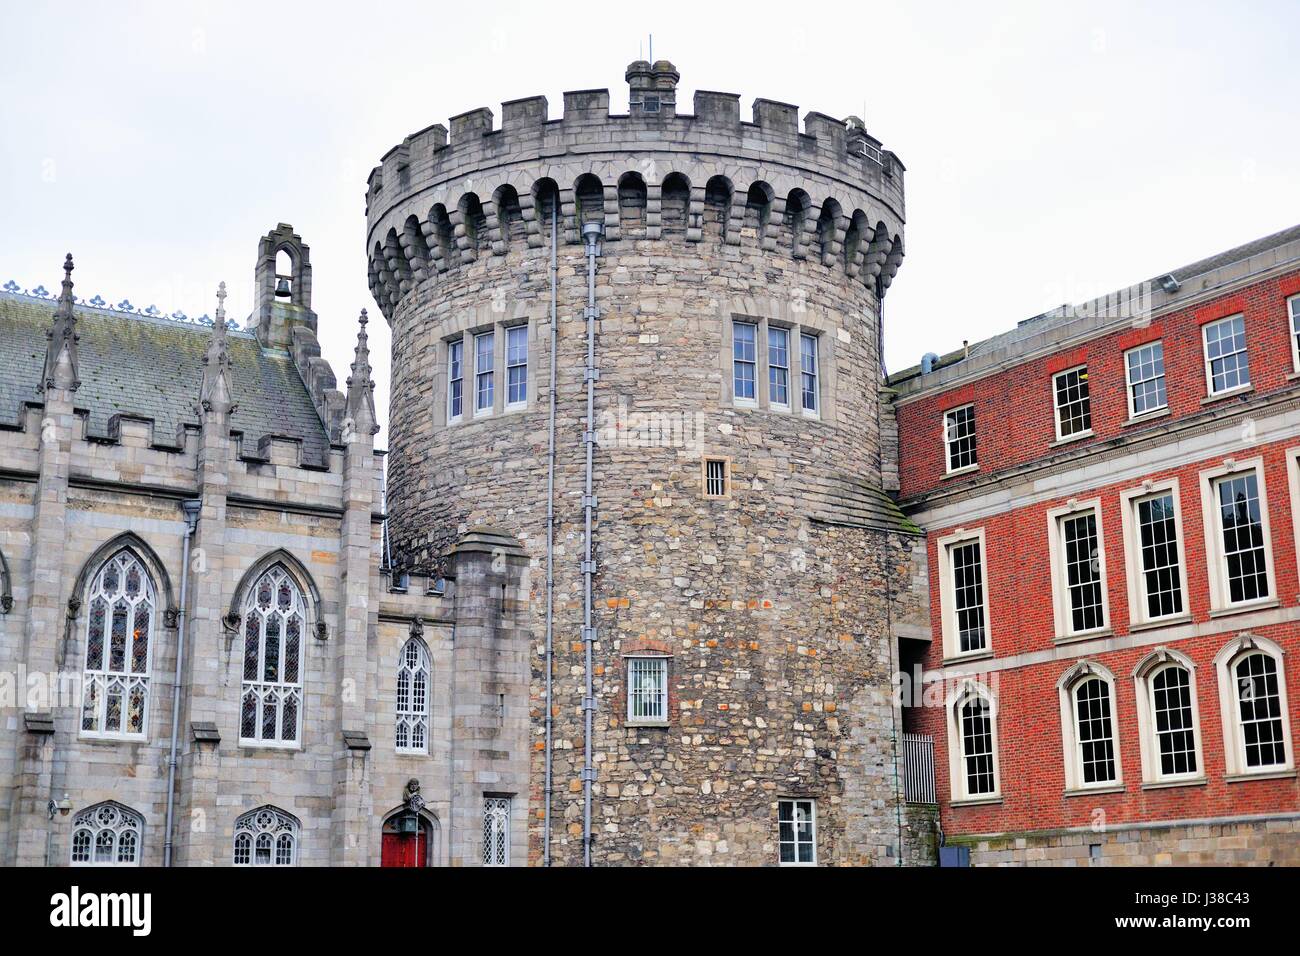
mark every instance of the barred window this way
{"type": "Point", "coordinates": [1094, 733]}
{"type": "Point", "coordinates": [1158, 540]}
{"type": "Point", "coordinates": [808, 372]}
{"type": "Point", "coordinates": [496, 831]}
{"type": "Point", "coordinates": [455, 379]}
{"type": "Point", "coordinates": [266, 837]}
{"type": "Point", "coordinates": [107, 834]}
{"type": "Point", "coordinates": [517, 365]}
{"type": "Point", "coordinates": [274, 625]}
{"type": "Point", "coordinates": [716, 478]}
{"type": "Point", "coordinates": [1174, 720]}
{"type": "Point", "coordinates": [1260, 711]}
{"type": "Point", "coordinates": [647, 689]}
{"type": "Point", "coordinates": [119, 649]}
{"type": "Point", "coordinates": [968, 594]}
{"type": "Point", "coordinates": [1082, 568]}
{"type": "Point", "coordinates": [778, 366]}
{"type": "Point", "coordinates": [796, 823]}
{"type": "Point", "coordinates": [744, 361]}
{"type": "Point", "coordinates": [1227, 365]}
{"type": "Point", "coordinates": [1073, 405]}
{"type": "Point", "coordinates": [1146, 379]}
{"type": "Point", "coordinates": [484, 373]}
{"type": "Point", "coordinates": [959, 435]}
{"type": "Point", "coordinates": [412, 730]}
{"type": "Point", "coordinates": [1241, 527]}
{"type": "Point", "coordinates": [976, 721]}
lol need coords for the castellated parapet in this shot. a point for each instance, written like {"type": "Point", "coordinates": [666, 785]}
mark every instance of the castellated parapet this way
{"type": "Point", "coordinates": [738, 277]}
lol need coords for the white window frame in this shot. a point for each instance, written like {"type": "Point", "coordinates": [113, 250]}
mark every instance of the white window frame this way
{"type": "Point", "coordinates": [1061, 609]}
{"type": "Point", "coordinates": [1234, 753]}
{"type": "Point", "coordinates": [789, 387]}
{"type": "Point", "coordinates": [1131, 528]}
{"type": "Point", "coordinates": [816, 373]}
{"type": "Point", "coordinates": [1129, 383]}
{"type": "Point", "coordinates": [1293, 328]}
{"type": "Point", "coordinates": [283, 688]}
{"type": "Point", "coordinates": [111, 817]}
{"type": "Point", "coordinates": [511, 330]}
{"type": "Point", "coordinates": [98, 680]}
{"type": "Point", "coordinates": [1071, 745]}
{"type": "Point", "coordinates": [755, 364]}
{"type": "Point", "coordinates": [497, 811]}
{"type": "Point", "coordinates": [1205, 356]}
{"type": "Point", "coordinates": [1056, 406]}
{"type": "Point", "coordinates": [409, 712]}
{"type": "Point", "coordinates": [1149, 745]}
{"type": "Point", "coordinates": [1293, 481]}
{"type": "Point", "coordinates": [452, 344]}
{"type": "Point", "coordinates": [794, 811]}
{"type": "Point", "coordinates": [630, 663]}
{"type": "Point", "coordinates": [948, 595]}
{"type": "Point", "coordinates": [1216, 560]}
{"type": "Point", "coordinates": [957, 744]}
{"type": "Point", "coordinates": [949, 441]}
{"type": "Point", "coordinates": [478, 373]}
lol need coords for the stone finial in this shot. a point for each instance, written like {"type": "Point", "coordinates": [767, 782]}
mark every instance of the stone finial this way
{"type": "Point", "coordinates": [61, 345]}
{"type": "Point", "coordinates": [361, 388]}
{"type": "Point", "coordinates": [215, 391]}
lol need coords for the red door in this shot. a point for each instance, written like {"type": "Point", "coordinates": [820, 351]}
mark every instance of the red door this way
{"type": "Point", "coordinates": [404, 846]}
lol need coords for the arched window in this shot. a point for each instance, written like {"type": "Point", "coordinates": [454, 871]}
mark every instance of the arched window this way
{"type": "Point", "coordinates": [107, 834]}
{"type": "Point", "coordinates": [274, 625]}
{"type": "Point", "coordinates": [1168, 721]}
{"type": "Point", "coordinates": [973, 744]}
{"type": "Point", "coordinates": [119, 649]}
{"type": "Point", "coordinates": [1252, 696]}
{"type": "Point", "coordinates": [412, 733]}
{"type": "Point", "coordinates": [266, 837]}
{"type": "Point", "coordinates": [1088, 735]}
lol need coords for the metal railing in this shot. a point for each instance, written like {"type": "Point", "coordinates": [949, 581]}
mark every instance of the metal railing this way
{"type": "Point", "coordinates": [918, 768]}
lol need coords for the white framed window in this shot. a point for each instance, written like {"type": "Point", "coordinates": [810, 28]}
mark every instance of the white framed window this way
{"type": "Point", "coordinates": [647, 690]}
{"type": "Point", "coordinates": [1227, 366]}
{"type": "Point", "coordinates": [1169, 729]}
{"type": "Point", "coordinates": [107, 834]}
{"type": "Point", "coordinates": [1253, 707]}
{"type": "Point", "coordinates": [274, 626]}
{"type": "Point", "coordinates": [744, 362]}
{"type": "Point", "coordinates": [1293, 310]}
{"type": "Point", "coordinates": [778, 367]}
{"type": "Point", "coordinates": [411, 733]}
{"type": "Point", "coordinates": [122, 607]}
{"type": "Point", "coordinates": [517, 366]}
{"type": "Point", "coordinates": [455, 379]}
{"type": "Point", "coordinates": [266, 837]}
{"type": "Point", "coordinates": [1144, 369]}
{"type": "Point", "coordinates": [717, 477]}
{"type": "Point", "coordinates": [959, 438]}
{"type": "Point", "coordinates": [1152, 521]}
{"type": "Point", "coordinates": [1238, 549]}
{"type": "Point", "coordinates": [496, 831]}
{"type": "Point", "coordinates": [484, 373]}
{"type": "Point", "coordinates": [796, 825]}
{"type": "Point", "coordinates": [1293, 480]}
{"type": "Point", "coordinates": [1078, 559]}
{"type": "Point", "coordinates": [973, 744]}
{"type": "Point", "coordinates": [809, 395]}
{"type": "Point", "coordinates": [963, 593]}
{"type": "Point", "coordinates": [1073, 403]}
{"type": "Point", "coordinates": [1090, 744]}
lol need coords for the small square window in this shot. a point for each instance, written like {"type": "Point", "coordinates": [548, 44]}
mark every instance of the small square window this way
{"type": "Point", "coordinates": [717, 480]}
{"type": "Point", "coordinates": [650, 104]}
{"type": "Point", "coordinates": [647, 690]}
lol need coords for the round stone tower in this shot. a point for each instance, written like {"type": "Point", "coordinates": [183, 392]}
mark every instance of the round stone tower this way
{"type": "Point", "coordinates": [722, 539]}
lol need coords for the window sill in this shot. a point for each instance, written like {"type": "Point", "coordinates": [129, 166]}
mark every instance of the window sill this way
{"type": "Point", "coordinates": [964, 470]}
{"type": "Point", "coordinates": [1135, 420]}
{"type": "Point", "coordinates": [1169, 784]}
{"type": "Point", "coordinates": [972, 656]}
{"type": "Point", "coordinates": [662, 724]}
{"type": "Point", "coordinates": [269, 745]}
{"type": "Point", "coordinates": [1084, 636]}
{"type": "Point", "coordinates": [976, 801]}
{"type": "Point", "coordinates": [1170, 621]}
{"type": "Point", "coordinates": [1261, 775]}
{"type": "Point", "coordinates": [1228, 393]}
{"type": "Point", "coordinates": [1244, 608]}
{"type": "Point", "coordinates": [1089, 791]}
{"type": "Point", "coordinates": [1071, 439]}
{"type": "Point", "coordinates": [1293, 376]}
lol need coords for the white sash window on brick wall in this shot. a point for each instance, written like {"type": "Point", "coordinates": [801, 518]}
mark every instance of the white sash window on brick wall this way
{"type": "Point", "coordinates": [412, 730]}
{"type": "Point", "coordinates": [1227, 364]}
{"type": "Point", "coordinates": [119, 649]}
{"type": "Point", "coordinates": [496, 831]}
{"type": "Point", "coordinates": [274, 626]}
{"type": "Point", "coordinates": [107, 834]}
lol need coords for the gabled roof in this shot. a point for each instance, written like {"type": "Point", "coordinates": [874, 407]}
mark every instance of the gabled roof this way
{"type": "Point", "coordinates": [132, 364]}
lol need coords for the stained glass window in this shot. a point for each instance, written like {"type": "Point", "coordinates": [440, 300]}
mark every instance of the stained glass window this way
{"type": "Point", "coordinates": [119, 645]}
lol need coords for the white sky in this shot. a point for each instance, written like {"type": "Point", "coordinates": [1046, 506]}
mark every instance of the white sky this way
{"type": "Point", "coordinates": [1051, 154]}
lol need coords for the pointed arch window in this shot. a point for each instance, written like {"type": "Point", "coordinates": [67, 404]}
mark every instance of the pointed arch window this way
{"type": "Point", "coordinates": [266, 837]}
{"type": "Point", "coordinates": [274, 626]}
{"type": "Point", "coordinates": [122, 605]}
{"type": "Point", "coordinates": [412, 730]}
{"type": "Point", "coordinates": [107, 834]}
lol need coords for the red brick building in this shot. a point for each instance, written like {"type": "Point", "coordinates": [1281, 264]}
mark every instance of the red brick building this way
{"type": "Point", "coordinates": [1111, 499]}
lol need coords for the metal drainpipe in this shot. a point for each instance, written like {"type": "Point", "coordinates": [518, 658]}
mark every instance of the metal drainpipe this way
{"type": "Point", "coordinates": [591, 233]}
{"type": "Point", "coordinates": [550, 558]}
{"type": "Point", "coordinates": [191, 509]}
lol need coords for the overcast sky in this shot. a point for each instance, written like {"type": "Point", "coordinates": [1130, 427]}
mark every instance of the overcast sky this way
{"type": "Point", "coordinates": [1051, 154]}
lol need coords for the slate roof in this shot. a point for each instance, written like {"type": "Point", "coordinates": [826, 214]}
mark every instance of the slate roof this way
{"type": "Point", "coordinates": [151, 368]}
